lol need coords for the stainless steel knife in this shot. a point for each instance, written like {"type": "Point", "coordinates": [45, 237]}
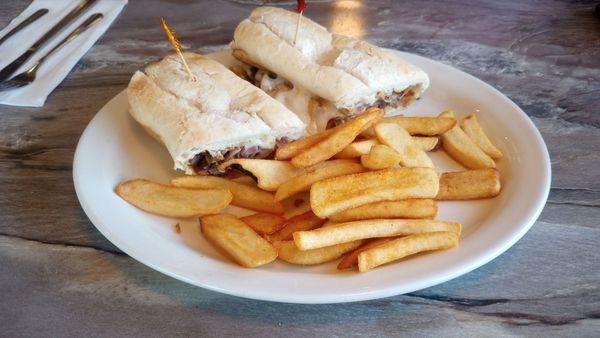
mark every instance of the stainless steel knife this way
{"type": "Point", "coordinates": [13, 66]}
{"type": "Point", "coordinates": [38, 14]}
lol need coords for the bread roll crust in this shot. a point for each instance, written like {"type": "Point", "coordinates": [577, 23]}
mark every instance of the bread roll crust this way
{"type": "Point", "coordinates": [218, 111]}
{"type": "Point", "coordinates": [341, 69]}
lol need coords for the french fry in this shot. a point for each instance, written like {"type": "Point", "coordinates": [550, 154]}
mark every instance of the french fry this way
{"type": "Point", "coordinates": [351, 258]}
{"type": "Point", "coordinates": [338, 139]}
{"type": "Point", "coordinates": [362, 147]}
{"type": "Point", "coordinates": [419, 125]}
{"type": "Point", "coordinates": [172, 201]}
{"type": "Point", "coordinates": [291, 149]}
{"type": "Point", "coordinates": [306, 221]}
{"type": "Point", "coordinates": [288, 252]}
{"type": "Point", "coordinates": [400, 140]}
{"type": "Point", "coordinates": [461, 148]}
{"type": "Point", "coordinates": [238, 240]}
{"type": "Point", "coordinates": [244, 195]}
{"type": "Point", "coordinates": [263, 223]}
{"type": "Point", "coordinates": [426, 143]}
{"type": "Point", "coordinates": [472, 128]}
{"type": "Point", "coordinates": [411, 208]}
{"type": "Point", "coordinates": [405, 246]}
{"type": "Point", "coordinates": [345, 192]}
{"type": "Point", "coordinates": [357, 149]}
{"type": "Point", "coordinates": [269, 174]}
{"type": "Point", "coordinates": [304, 181]}
{"type": "Point", "coordinates": [374, 228]}
{"type": "Point", "coordinates": [380, 157]}
{"type": "Point", "coordinates": [469, 184]}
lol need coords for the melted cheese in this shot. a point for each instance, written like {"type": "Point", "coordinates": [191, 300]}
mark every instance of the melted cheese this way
{"type": "Point", "coordinates": [314, 113]}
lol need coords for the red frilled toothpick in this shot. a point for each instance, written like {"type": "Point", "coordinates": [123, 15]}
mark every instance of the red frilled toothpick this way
{"type": "Point", "coordinates": [299, 9]}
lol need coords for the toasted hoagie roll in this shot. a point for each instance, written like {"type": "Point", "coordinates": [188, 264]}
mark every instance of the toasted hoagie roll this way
{"type": "Point", "coordinates": [325, 78]}
{"type": "Point", "coordinates": [210, 119]}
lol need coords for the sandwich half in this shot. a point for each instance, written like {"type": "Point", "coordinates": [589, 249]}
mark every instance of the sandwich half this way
{"type": "Point", "coordinates": [210, 119]}
{"type": "Point", "coordinates": [325, 78]}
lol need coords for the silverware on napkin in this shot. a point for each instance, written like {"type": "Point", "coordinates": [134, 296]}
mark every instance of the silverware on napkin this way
{"type": "Point", "coordinates": [13, 66]}
{"type": "Point", "coordinates": [38, 14]}
{"type": "Point", "coordinates": [28, 76]}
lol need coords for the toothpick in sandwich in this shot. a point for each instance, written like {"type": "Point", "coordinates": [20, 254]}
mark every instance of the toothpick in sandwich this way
{"type": "Point", "coordinates": [300, 9]}
{"type": "Point", "coordinates": [175, 42]}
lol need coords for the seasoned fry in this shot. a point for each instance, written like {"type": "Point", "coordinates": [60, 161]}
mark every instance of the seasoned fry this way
{"type": "Point", "coordinates": [340, 193]}
{"type": "Point", "coordinates": [244, 195]}
{"type": "Point", "coordinates": [405, 246]}
{"type": "Point", "coordinates": [461, 148]}
{"type": "Point", "coordinates": [359, 148]}
{"type": "Point", "coordinates": [472, 128]}
{"type": "Point", "coordinates": [419, 125]}
{"type": "Point", "coordinates": [426, 143]}
{"type": "Point", "coordinates": [289, 150]}
{"type": "Point", "coordinates": [411, 208]}
{"type": "Point", "coordinates": [263, 223]}
{"type": "Point", "coordinates": [306, 221]}
{"type": "Point", "coordinates": [172, 201]}
{"type": "Point", "coordinates": [374, 228]}
{"type": "Point", "coordinates": [356, 149]}
{"type": "Point", "coordinates": [400, 140]}
{"type": "Point", "coordinates": [304, 181]}
{"type": "Point", "coordinates": [338, 139]}
{"type": "Point", "coordinates": [469, 184]}
{"type": "Point", "coordinates": [380, 157]}
{"type": "Point", "coordinates": [238, 240]}
{"type": "Point", "coordinates": [351, 258]}
{"type": "Point", "coordinates": [269, 174]}
{"type": "Point", "coordinates": [288, 252]}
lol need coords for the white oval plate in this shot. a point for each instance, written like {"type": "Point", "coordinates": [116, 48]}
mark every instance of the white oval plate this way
{"type": "Point", "coordinates": [113, 148]}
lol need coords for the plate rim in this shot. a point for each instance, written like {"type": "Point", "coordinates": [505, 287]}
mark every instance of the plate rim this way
{"type": "Point", "coordinates": [469, 265]}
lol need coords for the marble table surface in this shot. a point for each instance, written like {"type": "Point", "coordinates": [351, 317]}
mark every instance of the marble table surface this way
{"type": "Point", "coordinates": [60, 277]}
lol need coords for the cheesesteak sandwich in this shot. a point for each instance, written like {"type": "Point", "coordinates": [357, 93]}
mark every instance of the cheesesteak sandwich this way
{"type": "Point", "coordinates": [211, 118]}
{"type": "Point", "coordinates": [325, 78]}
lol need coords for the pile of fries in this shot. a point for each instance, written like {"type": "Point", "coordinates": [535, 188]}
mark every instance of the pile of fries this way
{"type": "Point", "coordinates": [373, 193]}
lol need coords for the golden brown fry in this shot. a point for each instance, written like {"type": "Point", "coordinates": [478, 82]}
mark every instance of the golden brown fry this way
{"type": "Point", "coordinates": [269, 174]}
{"type": "Point", "coordinates": [405, 246]}
{"type": "Point", "coordinates": [411, 208]}
{"type": "Point", "coordinates": [380, 157]}
{"type": "Point", "coordinates": [291, 149]}
{"type": "Point", "coordinates": [304, 181]}
{"type": "Point", "coordinates": [340, 193]}
{"type": "Point", "coordinates": [469, 184]}
{"type": "Point", "coordinates": [306, 221]}
{"type": "Point", "coordinates": [419, 125]}
{"type": "Point", "coordinates": [172, 201]}
{"type": "Point", "coordinates": [373, 228]}
{"type": "Point", "coordinates": [338, 139]}
{"type": "Point", "coordinates": [263, 223]}
{"type": "Point", "coordinates": [400, 140]}
{"type": "Point", "coordinates": [351, 258]}
{"type": "Point", "coordinates": [461, 148]}
{"type": "Point", "coordinates": [244, 195]}
{"type": "Point", "coordinates": [426, 143]}
{"type": "Point", "coordinates": [472, 128]}
{"type": "Point", "coordinates": [357, 148]}
{"type": "Point", "coordinates": [288, 252]}
{"type": "Point", "coordinates": [238, 240]}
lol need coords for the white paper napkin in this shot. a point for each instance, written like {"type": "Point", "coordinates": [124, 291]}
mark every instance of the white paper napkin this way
{"type": "Point", "coordinates": [53, 71]}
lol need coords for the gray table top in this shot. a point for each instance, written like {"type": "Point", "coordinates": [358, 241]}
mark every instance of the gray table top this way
{"type": "Point", "coordinates": [60, 276]}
